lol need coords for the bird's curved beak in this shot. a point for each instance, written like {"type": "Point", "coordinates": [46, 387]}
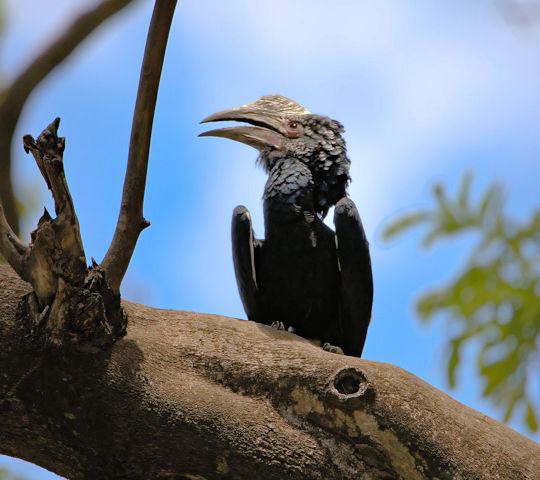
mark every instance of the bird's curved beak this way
{"type": "Point", "coordinates": [265, 114]}
{"type": "Point", "coordinates": [265, 132]}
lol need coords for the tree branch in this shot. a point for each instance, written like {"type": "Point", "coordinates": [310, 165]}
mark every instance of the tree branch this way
{"type": "Point", "coordinates": [14, 97]}
{"type": "Point", "coordinates": [11, 246]}
{"type": "Point", "coordinates": [131, 221]}
{"type": "Point", "coordinates": [187, 395]}
{"type": "Point", "coordinates": [71, 306]}
{"type": "Point", "coordinates": [56, 249]}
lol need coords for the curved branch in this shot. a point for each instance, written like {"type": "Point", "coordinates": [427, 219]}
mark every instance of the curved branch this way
{"type": "Point", "coordinates": [11, 246]}
{"type": "Point", "coordinates": [131, 221]}
{"type": "Point", "coordinates": [187, 395]}
{"type": "Point", "coordinates": [14, 97]}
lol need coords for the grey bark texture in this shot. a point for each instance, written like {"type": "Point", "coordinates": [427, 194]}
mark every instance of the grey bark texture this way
{"type": "Point", "coordinates": [70, 305]}
{"type": "Point", "coordinates": [192, 396]}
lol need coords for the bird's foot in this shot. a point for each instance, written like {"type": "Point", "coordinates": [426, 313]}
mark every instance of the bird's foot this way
{"type": "Point", "coordinates": [281, 326]}
{"type": "Point", "coordinates": [333, 349]}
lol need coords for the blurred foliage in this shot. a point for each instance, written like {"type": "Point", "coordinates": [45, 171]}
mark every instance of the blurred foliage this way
{"type": "Point", "coordinates": [28, 200]}
{"type": "Point", "coordinates": [7, 475]}
{"type": "Point", "coordinates": [495, 300]}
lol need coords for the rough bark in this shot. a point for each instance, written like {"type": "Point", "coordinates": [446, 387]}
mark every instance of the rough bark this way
{"type": "Point", "coordinates": [192, 396]}
{"type": "Point", "coordinates": [70, 305]}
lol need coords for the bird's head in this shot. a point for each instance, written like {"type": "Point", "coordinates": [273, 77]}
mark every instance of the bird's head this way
{"type": "Point", "coordinates": [283, 129]}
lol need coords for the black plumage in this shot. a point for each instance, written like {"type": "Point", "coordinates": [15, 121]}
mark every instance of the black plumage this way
{"type": "Point", "coordinates": [302, 274]}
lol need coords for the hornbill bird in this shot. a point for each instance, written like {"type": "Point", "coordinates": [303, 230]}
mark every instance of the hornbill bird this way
{"type": "Point", "coordinates": [302, 275]}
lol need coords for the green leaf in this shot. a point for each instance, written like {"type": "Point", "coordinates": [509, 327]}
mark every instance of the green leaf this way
{"type": "Point", "coordinates": [494, 298]}
{"type": "Point", "coordinates": [403, 223]}
{"type": "Point", "coordinates": [453, 362]}
{"type": "Point", "coordinates": [498, 372]}
{"type": "Point", "coordinates": [445, 214]}
{"type": "Point", "coordinates": [515, 396]}
{"type": "Point", "coordinates": [491, 202]}
{"type": "Point", "coordinates": [531, 418]}
{"type": "Point", "coordinates": [429, 303]}
{"type": "Point", "coordinates": [433, 235]}
{"type": "Point", "coordinates": [464, 190]}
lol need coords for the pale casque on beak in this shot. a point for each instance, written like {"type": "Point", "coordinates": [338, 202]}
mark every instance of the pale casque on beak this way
{"type": "Point", "coordinates": [268, 115]}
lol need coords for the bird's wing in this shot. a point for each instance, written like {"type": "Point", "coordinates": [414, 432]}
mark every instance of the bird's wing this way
{"type": "Point", "coordinates": [356, 276]}
{"type": "Point", "coordinates": [243, 250]}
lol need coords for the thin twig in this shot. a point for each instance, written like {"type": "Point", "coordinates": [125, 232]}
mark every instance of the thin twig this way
{"type": "Point", "coordinates": [14, 96]}
{"type": "Point", "coordinates": [131, 221]}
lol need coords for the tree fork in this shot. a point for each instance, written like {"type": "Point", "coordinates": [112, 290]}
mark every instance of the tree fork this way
{"type": "Point", "coordinates": [72, 305]}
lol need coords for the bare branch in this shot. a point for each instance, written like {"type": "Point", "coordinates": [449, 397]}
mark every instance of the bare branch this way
{"type": "Point", "coordinates": [14, 97]}
{"type": "Point", "coordinates": [71, 305]}
{"type": "Point", "coordinates": [11, 247]}
{"type": "Point", "coordinates": [48, 152]}
{"type": "Point", "coordinates": [7, 197]}
{"type": "Point", "coordinates": [56, 249]}
{"type": "Point", "coordinates": [131, 221]}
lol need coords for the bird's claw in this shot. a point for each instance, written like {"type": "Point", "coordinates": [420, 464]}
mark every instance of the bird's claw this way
{"type": "Point", "coordinates": [281, 326]}
{"type": "Point", "coordinates": [333, 349]}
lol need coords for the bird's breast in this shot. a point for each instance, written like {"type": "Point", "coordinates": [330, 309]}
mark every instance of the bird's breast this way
{"type": "Point", "coordinates": [299, 282]}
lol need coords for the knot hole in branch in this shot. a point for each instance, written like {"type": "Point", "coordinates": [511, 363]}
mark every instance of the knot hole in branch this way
{"type": "Point", "coordinates": [351, 382]}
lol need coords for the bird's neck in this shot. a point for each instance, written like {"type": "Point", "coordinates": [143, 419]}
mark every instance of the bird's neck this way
{"type": "Point", "coordinates": [288, 203]}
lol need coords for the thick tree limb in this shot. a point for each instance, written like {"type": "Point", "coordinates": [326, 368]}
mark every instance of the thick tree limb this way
{"type": "Point", "coordinates": [131, 221]}
{"type": "Point", "coordinates": [13, 98]}
{"type": "Point", "coordinates": [192, 396]}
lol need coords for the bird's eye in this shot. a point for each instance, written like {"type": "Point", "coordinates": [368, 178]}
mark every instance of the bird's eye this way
{"type": "Point", "coordinates": [291, 128]}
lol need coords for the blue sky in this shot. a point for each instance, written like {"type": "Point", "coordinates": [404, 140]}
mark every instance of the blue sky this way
{"type": "Point", "coordinates": [426, 90]}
